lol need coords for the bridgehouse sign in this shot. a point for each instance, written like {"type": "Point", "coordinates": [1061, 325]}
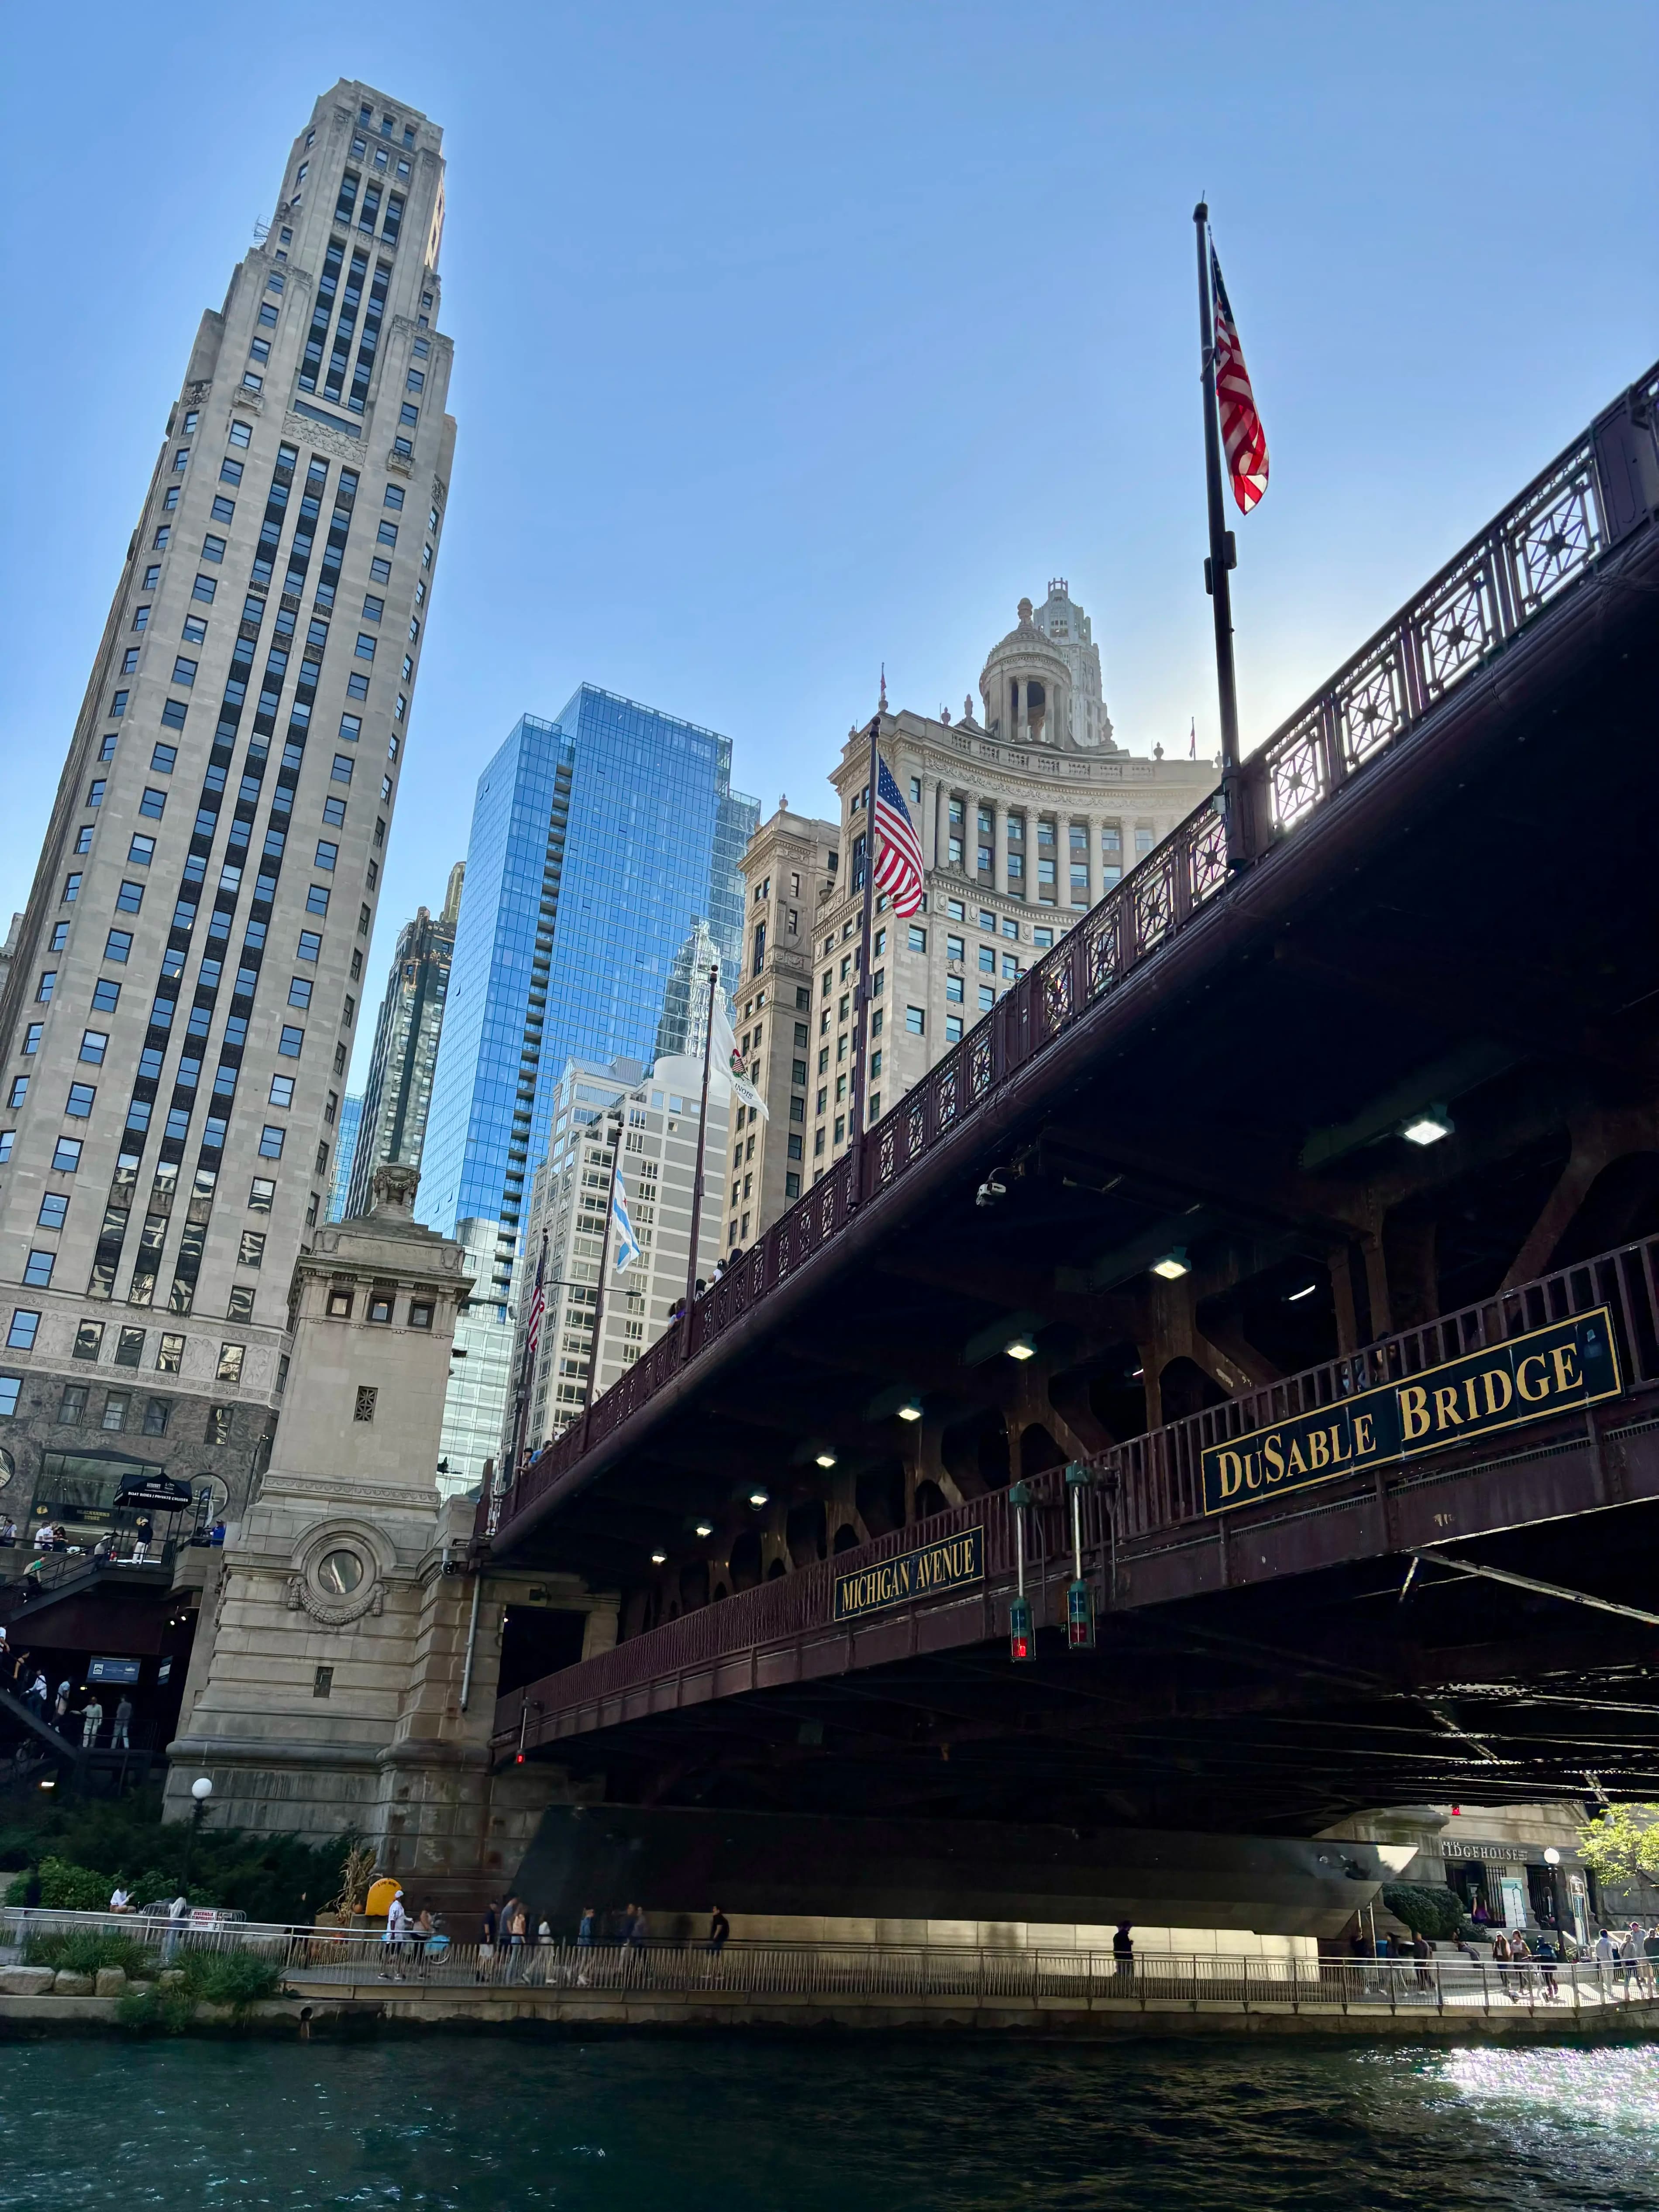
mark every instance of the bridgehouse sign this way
{"type": "Point", "coordinates": [952, 1563]}
{"type": "Point", "coordinates": [1568, 1363]}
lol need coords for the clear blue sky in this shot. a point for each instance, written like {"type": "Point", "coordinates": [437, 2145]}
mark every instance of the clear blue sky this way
{"type": "Point", "coordinates": [793, 339]}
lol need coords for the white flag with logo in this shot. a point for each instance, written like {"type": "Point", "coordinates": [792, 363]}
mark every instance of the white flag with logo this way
{"type": "Point", "coordinates": [624, 1244]}
{"type": "Point", "coordinates": [724, 1056]}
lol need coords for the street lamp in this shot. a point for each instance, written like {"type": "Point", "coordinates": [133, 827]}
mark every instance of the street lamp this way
{"type": "Point", "coordinates": [201, 1789]}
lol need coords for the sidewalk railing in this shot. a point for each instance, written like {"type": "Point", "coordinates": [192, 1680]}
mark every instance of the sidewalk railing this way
{"type": "Point", "coordinates": [318, 1959]}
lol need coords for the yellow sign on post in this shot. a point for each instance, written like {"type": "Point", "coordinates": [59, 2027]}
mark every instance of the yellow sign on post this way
{"type": "Point", "coordinates": [378, 1903]}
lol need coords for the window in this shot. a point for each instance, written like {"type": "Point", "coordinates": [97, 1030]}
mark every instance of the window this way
{"type": "Point", "coordinates": [953, 1028]}
{"type": "Point", "coordinates": [37, 1270]}
{"type": "Point", "coordinates": [1043, 937]}
{"type": "Point", "coordinates": [238, 1306]}
{"type": "Point", "coordinates": [310, 946]}
{"type": "Point", "coordinates": [154, 804]}
{"type": "Point", "coordinates": [988, 997]}
{"type": "Point", "coordinates": [316, 902]}
{"type": "Point", "coordinates": [271, 1142]}
{"type": "Point", "coordinates": [917, 939]}
{"type": "Point", "coordinates": [230, 471]}
{"type": "Point", "coordinates": [25, 1327]}
{"type": "Point", "coordinates": [107, 749]}
{"type": "Point", "coordinates": [115, 1410]}
{"type": "Point", "coordinates": [1143, 841]}
{"type": "Point", "coordinates": [117, 705]}
{"type": "Point", "coordinates": [130, 1347]}
{"type": "Point", "coordinates": [380, 1306]}
{"type": "Point", "coordinates": [19, 1092]}
{"type": "Point", "coordinates": [365, 648]}
{"type": "Point", "coordinates": [420, 1313]}
{"type": "Point", "coordinates": [184, 671]}
{"type": "Point", "coordinates": [141, 852]}
{"type": "Point", "coordinates": [95, 791]}
{"type": "Point", "coordinates": [261, 1191]}
{"type": "Point", "coordinates": [32, 1039]}
{"type": "Point", "coordinates": [156, 1417]}
{"type": "Point", "coordinates": [130, 896]}
{"type": "Point", "coordinates": [218, 1425]}
{"type": "Point", "coordinates": [394, 497]}
{"type": "Point", "coordinates": [117, 945]}
{"type": "Point", "coordinates": [84, 838]}
{"type": "Point", "coordinates": [916, 1020]}
{"type": "Point", "coordinates": [79, 1105]}
{"type": "Point", "coordinates": [241, 433]}
{"type": "Point", "coordinates": [230, 1369]}
{"type": "Point", "coordinates": [94, 1043]}
{"type": "Point", "coordinates": [955, 949]}
{"type": "Point", "coordinates": [386, 534]}
{"type": "Point", "coordinates": [170, 1356]}
{"type": "Point", "coordinates": [72, 1405]}
{"type": "Point", "coordinates": [367, 1395]}
{"type": "Point", "coordinates": [152, 576]}
{"type": "Point", "coordinates": [224, 510]}
{"type": "Point", "coordinates": [290, 1040]}
{"type": "Point", "coordinates": [334, 815]}
{"type": "Point", "coordinates": [163, 760]}
{"type": "Point", "coordinates": [53, 1207]}
{"type": "Point", "coordinates": [66, 1156]}
{"type": "Point", "coordinates": [373, 608]}
{"type": "Point", "coordinates": [327, 854]}
{"type": "Point", "coordinates": [409, 413]}
{"type": "Point", "coordinates": [953, 989]}
{"type": "Point", "coordinates": [281, 1090]}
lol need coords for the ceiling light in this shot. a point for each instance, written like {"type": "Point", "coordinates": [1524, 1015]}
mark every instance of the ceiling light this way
{"type": "Point", "coordinates": [1306, 1291]}
{"type": "Point", "coordinates": [1173, 1265]}
{"type": "Point", "coordinates": [758, 1499]}
{"type": "Point", "coordinates": [659, 1559]}
{"type": "Point", "coordinates": [1021, 1348]}
{"type": "Point", "coordinates": [1427, 1127]}
{"type": "Point", "coordinates": [825, 1458]}
{"type": "Point", "coordinates": [1136, 1374]}
{"type": "Point", "coordinates": [910, 1409]}
{"type": "Point", "coordinates": [705, 1527]}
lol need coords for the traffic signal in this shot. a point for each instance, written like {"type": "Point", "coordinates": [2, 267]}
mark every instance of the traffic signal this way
{"type": "Point", "coordinates": [1079, 1617]}
{"type": "Point", "coordinates": [1021, 1645]}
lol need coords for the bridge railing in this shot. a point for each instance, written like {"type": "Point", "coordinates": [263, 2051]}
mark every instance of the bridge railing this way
{"type": "Point", "coordinates": [1147, 1488]}
{"type": "Point", "coordinates": [1599, 492]}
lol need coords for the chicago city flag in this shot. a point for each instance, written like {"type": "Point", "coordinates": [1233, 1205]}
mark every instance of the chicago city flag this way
{"type": "Point", "coordinates": [624, 1244]}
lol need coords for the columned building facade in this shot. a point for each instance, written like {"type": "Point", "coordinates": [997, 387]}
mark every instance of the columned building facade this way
{"type": "Point", "coordinates": [1028, 813]}
{"type": "Point", "coordinates": [187, 979]}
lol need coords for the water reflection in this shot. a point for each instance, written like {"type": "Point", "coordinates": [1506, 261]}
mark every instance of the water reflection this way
{"type": "Point", "coordinates": [793, 2125]}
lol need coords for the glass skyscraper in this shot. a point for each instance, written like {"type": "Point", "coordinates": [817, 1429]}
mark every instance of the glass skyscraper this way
{"type": "Point", "coordinates": [598, 839]}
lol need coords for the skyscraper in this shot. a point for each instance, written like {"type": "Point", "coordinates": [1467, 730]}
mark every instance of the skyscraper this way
{"type": "Point", "coordinates": [184, 993]}
{"type": "Point", "coordinates": [594, 838]}
{"type": "Point", "coordinates": [398, 1092]}
{"type": "Point", "coordinates": [682, 1025]}
{"type": "Point", "coordinates": [345, 1156]}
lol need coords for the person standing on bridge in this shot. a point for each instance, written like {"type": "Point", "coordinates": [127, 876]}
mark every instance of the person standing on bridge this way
{"type": "Point", "coordinates": [120, 1738]}
{"type": "Point", "coordinates": [720, 1930]}
{"type": "Point", "coordinates": [92, 1720]}
{"type": "Point", "coordinates": [1123, 1953]}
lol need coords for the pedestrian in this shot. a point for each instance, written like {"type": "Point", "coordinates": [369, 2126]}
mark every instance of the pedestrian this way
{"type": "Point", "coordinates": [486, 1941]}
{"type": "Point", "coordinates": [92, 1720]}
{"type": "Point", "coordinates": [1650, 1954]}
{"type": "Point", "coordinates": [120, 1739]}
{"type": "Point", "coordinates": [720, 1930]}
{"type": "Point", "coordinates": [1547, 1957]}
{"type": "Point", "coordinates": [1423, 1952]}
{"type": "Point", "coordinates": [60, 1706]}
{"type": "Point", "coordinates": [516, 1928]}
{"type": "Point", "coordinates": [36, 1695]}
{"type": "Point", "coordinates": [7, 1533]}
{"type": "Point", "coordinates": [1607, 1951]}
{"type": "Point", "coordinates": [584, 1944]}
{"type": "Point", "coordinates": [1630, 1957]}
{"type": "Point", "coordinates": [178, 1913]}
{"type": "Point", "coordinates": [120, 1897]}
{"type": "Point", "coordinates": [397, 1924]}
{"type": "Point", "coordinates": [1123, 1953]}
{"type": "Point", "coordinates": [639, 1933]}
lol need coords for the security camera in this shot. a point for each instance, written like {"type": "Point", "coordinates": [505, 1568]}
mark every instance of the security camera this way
{"type": "Point", "coordinates": [990, 1191]}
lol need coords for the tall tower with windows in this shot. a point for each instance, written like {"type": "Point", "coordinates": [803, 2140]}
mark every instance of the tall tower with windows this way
{"type": "Point", "coordinates": [186, 981]}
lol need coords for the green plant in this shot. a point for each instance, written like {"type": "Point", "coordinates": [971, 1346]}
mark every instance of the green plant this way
{"type": "Point", "coordinates": [1621, 1845]}
{"type": "Point", "coordinates": [1426, 1909]}
{"type": "Point", "coordinates": [235, 1979]}
{"type": "Point", "coordinates": [83, 1951]}
{"type": "Point", "coordinates": [67, 1888]}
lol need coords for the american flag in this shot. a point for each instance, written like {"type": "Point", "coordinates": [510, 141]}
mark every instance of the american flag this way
{"type": "Point", "coordinates": [898, 860]}
{"type": "Point", "coordinates": [538, 1307]}
{"type": "Point", "coordinates": [1242, 433]}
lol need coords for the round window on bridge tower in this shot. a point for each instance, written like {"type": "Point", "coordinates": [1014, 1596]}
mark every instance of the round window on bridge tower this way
{"type": "Point", "coordinates": [338, 1573]}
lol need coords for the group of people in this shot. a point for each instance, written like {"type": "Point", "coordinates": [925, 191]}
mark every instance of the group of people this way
{"type": "Point", "coordinates": [1631, 1957]}
{"type": "Point", "coordinates": [422, 1937]}
{"type": "Point", "coordinates": [29, 1681]}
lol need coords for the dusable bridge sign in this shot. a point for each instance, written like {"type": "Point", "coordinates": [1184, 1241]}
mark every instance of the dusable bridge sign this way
{"type": "Point", "coordinates": [1568, 1363]}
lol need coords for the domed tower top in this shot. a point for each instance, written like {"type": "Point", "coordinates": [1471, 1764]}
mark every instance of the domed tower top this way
{"type": "Point", "coordinates": [1026, 686]}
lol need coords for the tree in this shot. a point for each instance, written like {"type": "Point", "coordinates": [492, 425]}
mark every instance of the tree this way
{"type": "Point", "coordinates": [1620, 1845]}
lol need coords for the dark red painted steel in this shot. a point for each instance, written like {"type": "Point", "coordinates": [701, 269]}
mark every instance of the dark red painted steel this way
{"type": "Point", "coordinates": [1596, 495]}
{"type": "Point", "coordinates": [1144, 1491]}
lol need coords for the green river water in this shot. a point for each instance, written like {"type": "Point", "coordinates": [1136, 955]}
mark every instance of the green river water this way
{"type": "Point", "coordinates": [797, 2124]}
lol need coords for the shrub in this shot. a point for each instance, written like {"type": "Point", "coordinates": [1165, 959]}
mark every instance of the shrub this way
{"type": "Point", "coordinates": [83, 1951]}
{"type": "Point", "coordinates": [235, 1979]}
{"type": "Point", "coordinates": [1426, 1909]}
{"type": "Point", "coordinates": [67, 1888]}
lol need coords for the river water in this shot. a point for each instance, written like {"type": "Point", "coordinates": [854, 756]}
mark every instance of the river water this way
{"type": "Point", "coordinates": [799, 2124]}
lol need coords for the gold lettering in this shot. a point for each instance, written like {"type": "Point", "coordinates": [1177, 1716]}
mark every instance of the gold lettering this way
{"type": "Point", "coordinates": [1563, 1356]}
{"type": "Point", "coordinates": [1252, 1475]}
{"type": "Point", "coordinates": [1318, 1450]}
{"type": "Point", "coordinates": [1339, 1457]}
{"type": "Point", "coordinates": [1497, 1376]}
{"type": "Point", "coordinates": [1229, 1474]}
{"type": "Point", "coordinates": [1272, 1451]}
{"type": "Point", "coordinates": [1468, 1397]}
{"type": "Point", "coordinates": [1364, 1434]}
{"type": "Point", "coordinates": [1446, 1415]}
{"type": "Point", "coordinates": [1297, 1464]}
{"type": "Point", "coordinates": [1413, 1411]}
{"type": "Point", "coordinates": [1532, 1359]}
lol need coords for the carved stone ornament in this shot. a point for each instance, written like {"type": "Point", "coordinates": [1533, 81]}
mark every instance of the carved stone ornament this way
{"type": "Point", "coordinates": [302, 1598]}
{"type": "Point", "coordinates": [321, 439]}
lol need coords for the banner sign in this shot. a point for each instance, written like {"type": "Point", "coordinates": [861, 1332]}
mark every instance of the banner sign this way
{"type": "Point", "coordinates": [951, 1564]}
{"type": "Point", "coordinates": [1567, 1362]}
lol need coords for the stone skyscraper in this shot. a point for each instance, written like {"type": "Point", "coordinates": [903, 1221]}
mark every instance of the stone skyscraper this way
{"type": "Point", "coordinates": [399, 1091]}
{"type": "Point", "coordinates": [187, 978]}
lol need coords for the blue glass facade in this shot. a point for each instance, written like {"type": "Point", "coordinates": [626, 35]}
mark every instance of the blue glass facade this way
{"type": "Point", "coordinates": [596, 839]}
{"type": "Point", "coordinates": [346, 1153]}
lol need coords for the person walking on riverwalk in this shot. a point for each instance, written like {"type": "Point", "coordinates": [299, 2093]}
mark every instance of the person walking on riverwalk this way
{"type": "Point", "coordinates": [1123, 1953]}
{"type": "Point", "coordinates": [720, 1930]}
{"type": "Point", "coordinates": [585, 1945]}
{"type": "Point", "coordinates": [92, 1720]}
{"type": "Point", "coordinates": [487, 1933]}
{"type": "Point", "coordinates": [119, 1739]}
{"type": "Point", "coordinates": [396, 1924]}
{"type": "Point", "coordinates": [1607, 1951]}
{"type": "Point", "coordinates": [516, 1928]}
{"type": "Point", "coordinates": [35, 1696]}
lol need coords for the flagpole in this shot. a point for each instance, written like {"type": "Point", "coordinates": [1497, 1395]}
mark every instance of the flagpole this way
{"type": "Point", "coordinates": [696, 1186]}
{"type": "Point", "coordinates": [1216, 567]}
{"type": "Point", "coordinates": [526, 1365]}
{"type": "Point", "coordinates": [604, 1259]}
{"type": "Point", "coordinates": [861, 1010]}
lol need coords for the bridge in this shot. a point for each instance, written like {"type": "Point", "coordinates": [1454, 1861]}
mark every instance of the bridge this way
{"type": "Point", "coordinates": [1309, 1212]}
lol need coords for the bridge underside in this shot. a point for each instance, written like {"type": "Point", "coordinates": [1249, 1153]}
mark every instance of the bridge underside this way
{"type": "Point", "coordinates": [1466, 931]}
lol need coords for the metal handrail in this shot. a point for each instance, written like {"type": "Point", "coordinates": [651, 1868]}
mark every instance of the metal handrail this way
{"type": "Point", "coordinates": [1546, 542]}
